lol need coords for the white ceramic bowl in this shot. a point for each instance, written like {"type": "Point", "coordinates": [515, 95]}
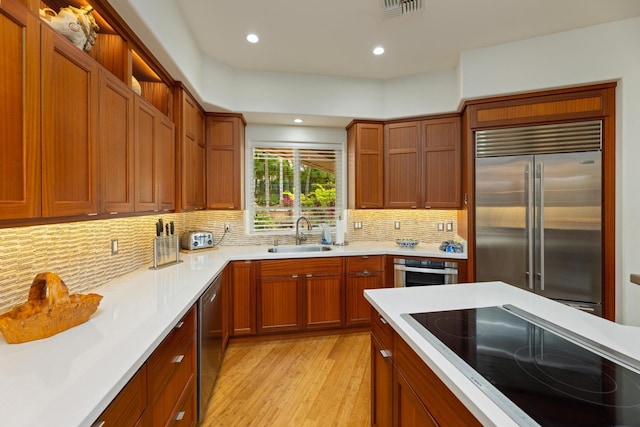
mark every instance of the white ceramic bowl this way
{"type": "Point", "coordinates": [407, 243]}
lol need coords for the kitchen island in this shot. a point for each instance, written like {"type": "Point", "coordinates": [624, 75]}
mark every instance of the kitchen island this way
{"type": "Point", "coordinates": [393, 305]}
{"type": "Point", "coordinates": [70, 378]}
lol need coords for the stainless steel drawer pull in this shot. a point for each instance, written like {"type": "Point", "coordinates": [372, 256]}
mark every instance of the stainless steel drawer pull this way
{"type": "Point", "coordinates": [98, 424]}
{"type": "Point", "coordinates": [213, 297]}
{"type": "Point", "coordinates": [179, 325]}
{"type": "Point", "coordinates": [366, 273]}
{"type": "Point", "coordinates": [178, 358]}
{"type": "Point", "coordinates": [382, 320]}
{"type": "Point", "coordinates": [180, 415]}
{"type": "Point", "coordinates": [309, 275]}
{"type": "Point", "coordinates": [385, 353]}
{"type": "Point", "coordinates": [294, 276]}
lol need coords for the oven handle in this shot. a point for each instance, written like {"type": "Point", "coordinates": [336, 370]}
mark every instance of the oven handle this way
{"type": "Point", "coordinates": [426, 270]}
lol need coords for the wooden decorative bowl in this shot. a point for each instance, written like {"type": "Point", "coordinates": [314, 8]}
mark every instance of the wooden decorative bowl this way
{"type": "Point", "coordinates": [48, 310]}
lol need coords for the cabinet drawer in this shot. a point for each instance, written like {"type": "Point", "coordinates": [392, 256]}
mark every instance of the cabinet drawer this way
{"type": "Point", "coordinates": [163, 409]}
{"type": "Point", "coordinates": [287, 267]}
{"type": "Point", "coordinates": [381, 330]}
{"type": "Point", "coordinates": [185, 412]}
{"type": "Point", "coordinates": [172, 354]}
{"type": "Point", "coordinates": [357, 264]}
{"type": "Point", "coordinates": [127, 408]}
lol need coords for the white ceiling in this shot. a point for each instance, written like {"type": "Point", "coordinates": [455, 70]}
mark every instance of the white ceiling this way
{"type": "Point", "coordinates": [336, 37]}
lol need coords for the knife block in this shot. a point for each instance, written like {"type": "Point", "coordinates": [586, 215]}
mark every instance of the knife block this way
{"type": "Point", "coordinates": [166, 252]}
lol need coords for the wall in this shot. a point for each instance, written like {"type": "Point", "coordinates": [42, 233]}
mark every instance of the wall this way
{"type": "Point", "coordinates": [80, 253]}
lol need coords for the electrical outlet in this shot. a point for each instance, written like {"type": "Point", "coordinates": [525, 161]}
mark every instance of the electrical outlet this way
{"type": "Point", "coordinates": [114, 247]}
{"type": "Point", "coordinates": [396, 225]}
{"type": "Point", "coordinates": [357, 225]}
{"type": "Point", "coordinates": [227, 228]}
{"type": "Point", "coordinates": [449, 226]}
{"type": "Point", "coordinates": [441, 226]}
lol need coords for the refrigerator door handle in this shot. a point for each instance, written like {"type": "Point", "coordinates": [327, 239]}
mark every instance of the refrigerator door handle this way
{"type": "Point", "coordinates": [540, 224]}
{"type": "Point", "coordinates": [528, 194]}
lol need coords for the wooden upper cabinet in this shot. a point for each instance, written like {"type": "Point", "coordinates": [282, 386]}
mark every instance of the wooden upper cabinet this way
{"type": "Point", "coordinates": [193, 154]}
{"type": "Point", "coordinates": [154, 158]}
{"type": "Point", "coordinates": [116, 144]}
{"type": "Point", "coordinates": [69, 128]}
{"type": "Point", "coordinates": [146, 194]}
{"type": "Point", "coordinates": [225, 161]}
{"type": "Point", "coordinates": [166, 173]}
{"type": "Point", "coordinates": [366, 159]}
{"type": "Point", "coordinates": [441, 163]}
{"type": "Point", "coordinates": [402, 162]}
{"type": "Point", "coordinates": [422, 164]}
{"type": "Point", "coordinates": [20, 156]}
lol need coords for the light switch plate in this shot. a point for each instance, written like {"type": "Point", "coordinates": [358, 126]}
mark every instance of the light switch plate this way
{"type": "Point", "coordinates": [441, 226]}
{"type": "Point", "coordinates": [449, 226]}
{"type": "Point", "coordinates": [396, 225]}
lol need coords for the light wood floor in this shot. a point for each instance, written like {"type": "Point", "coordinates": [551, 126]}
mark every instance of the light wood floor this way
{"type": "Point", "coordinates": [318, 381]}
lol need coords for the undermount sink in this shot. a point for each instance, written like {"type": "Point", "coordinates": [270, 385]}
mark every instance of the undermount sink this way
{"type": "Point", "coordinates": [301, 248]}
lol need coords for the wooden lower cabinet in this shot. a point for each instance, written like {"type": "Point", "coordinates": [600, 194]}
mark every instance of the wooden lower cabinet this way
{"type": "Point", "coordinates": [309, 296]}
{"type": "Point", "coordinates": [243, 298]}
{"type": "Point", "coordinates": [362, 272]}
{"type": "Point", "coordinates": [408, 409]}
{"type": "Point", "coordinates": [279, 304]}
{"type": "Point", "coordinates": [163, 391]}
{"type": "Point", "coordinates": [130, 404]}
{"type": "Point", "coordinates": [405, 391]}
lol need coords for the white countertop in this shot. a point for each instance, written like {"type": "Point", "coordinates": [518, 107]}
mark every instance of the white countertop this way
{"type": "Point", "coordinates": [70, 378]}
{"type": "Point", "coordinates": [393, 302]}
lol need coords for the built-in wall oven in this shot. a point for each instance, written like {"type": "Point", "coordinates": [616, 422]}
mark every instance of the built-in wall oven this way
{"type": "Point", "coordinates": [421, 272]}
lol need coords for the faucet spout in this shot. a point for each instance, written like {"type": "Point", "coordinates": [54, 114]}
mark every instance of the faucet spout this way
{"type": "Point", "coordinates": [299, 235]}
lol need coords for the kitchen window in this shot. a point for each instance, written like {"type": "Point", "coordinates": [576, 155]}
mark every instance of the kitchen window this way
{"type": "Point", "coordinates": [292, 180]}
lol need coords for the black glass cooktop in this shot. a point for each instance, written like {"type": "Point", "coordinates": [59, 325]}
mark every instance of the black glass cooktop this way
{"type": "Point", "coordinates": [551, 380]}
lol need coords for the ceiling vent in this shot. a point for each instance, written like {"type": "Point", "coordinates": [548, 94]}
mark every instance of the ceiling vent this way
{"type": "Point", "coordinates": [394, 8]}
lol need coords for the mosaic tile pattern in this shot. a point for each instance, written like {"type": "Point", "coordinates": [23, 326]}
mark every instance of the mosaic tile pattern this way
{"type": "Point", "coordinates": [80, 253]}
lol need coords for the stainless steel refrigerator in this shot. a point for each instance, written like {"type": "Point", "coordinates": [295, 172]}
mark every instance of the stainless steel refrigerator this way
{"type": "Point", "coordinates": [539, 210]}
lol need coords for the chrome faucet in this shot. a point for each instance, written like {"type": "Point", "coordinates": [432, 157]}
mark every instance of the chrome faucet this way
{"type": "Point", "coordinates": [300, 236]}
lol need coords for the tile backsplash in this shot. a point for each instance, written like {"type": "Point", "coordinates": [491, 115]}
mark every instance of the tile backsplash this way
{"type": "Point", "coordinates": [80, 253]}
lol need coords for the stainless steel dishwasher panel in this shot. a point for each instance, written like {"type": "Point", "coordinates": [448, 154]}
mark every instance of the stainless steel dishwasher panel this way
{"type": "Point", "coordinates": [209, 342]}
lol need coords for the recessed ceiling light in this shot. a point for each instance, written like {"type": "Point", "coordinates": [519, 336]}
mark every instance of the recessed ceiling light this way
{"type": "Point", "coordinates": [253, 38]}
{"type": "Point", "coordinates": [297, 120]}
{"type": "Point", "coordinates": [378, 50]}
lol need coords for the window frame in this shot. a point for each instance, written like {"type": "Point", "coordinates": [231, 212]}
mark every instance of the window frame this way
{"type": "Point", "coordinates": [341, 184]}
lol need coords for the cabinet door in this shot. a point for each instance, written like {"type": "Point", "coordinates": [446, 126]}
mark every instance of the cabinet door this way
{"type": "Point", "coordinates": [193, 155]}
{"type": "Point", "coordinates": [401, 150]}
{"type": "Point", "coordinates": [146, 194]}
{"type": "Point", "coordinates": [19, 112]}
{"type": "Point", "coordinates": [407, 407]}
{"type": "Point", "coordinates": [324, 301]}
{"type": "Point", "coordinates": [166, 163]}
{"type": "Point", "coordinates": [225, 156]}
{"type": "Point", "coordinates": [243, 299]}
{"type": "Point", "coordinates": [69, 128]}
{"type": "Point", "coordinates": [127, 408]}
{"type": "Point", "coordinates": [366, 159]}
{"type": "Point", "coordinates": [441, 163]}
{"type": "Point", "coordinates": [381, 385]}
{"type": "Point", "coordinates": [358, 309]}
{"type": "Point", "coordinates": [116, 144]}
{"type": "Point", "coordinates": [279, 307]}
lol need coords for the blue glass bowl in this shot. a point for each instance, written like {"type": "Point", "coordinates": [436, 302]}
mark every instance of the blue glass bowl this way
{"type": "Point", "coordinates": [407, 243]}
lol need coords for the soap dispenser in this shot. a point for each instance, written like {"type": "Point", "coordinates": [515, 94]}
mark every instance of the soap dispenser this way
{"type": "Point", "coordinates": [326, 234]}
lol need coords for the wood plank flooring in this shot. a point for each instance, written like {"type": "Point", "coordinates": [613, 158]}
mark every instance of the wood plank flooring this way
{"type": "Point", "coordinates": [316, 381]}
